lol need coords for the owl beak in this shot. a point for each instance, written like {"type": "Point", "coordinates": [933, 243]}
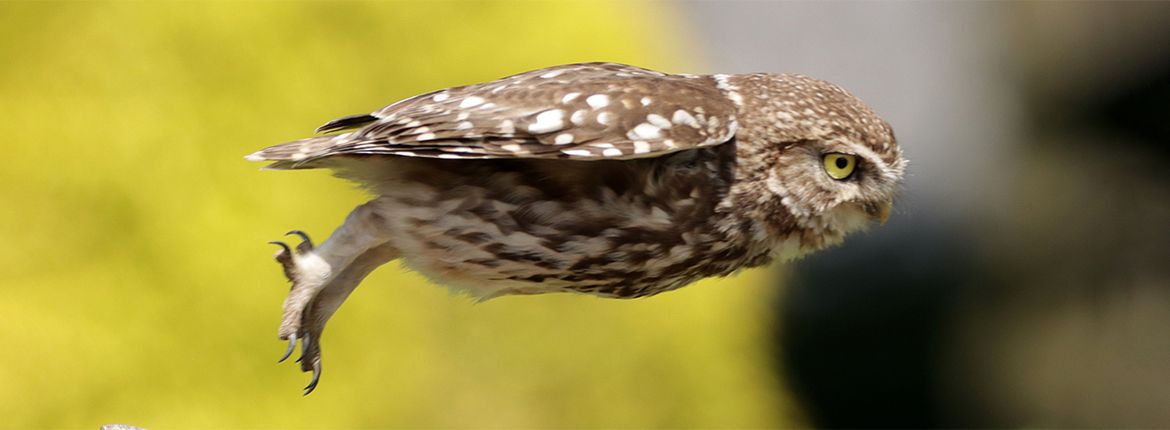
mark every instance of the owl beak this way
{"type": "Point", "coordinates": [879, 211]}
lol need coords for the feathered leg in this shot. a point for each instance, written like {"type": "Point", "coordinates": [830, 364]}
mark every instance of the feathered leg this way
{"type": "Point", "coordinates": [326, 302]}
{"type": "Point", "coordinates": [313, 268]}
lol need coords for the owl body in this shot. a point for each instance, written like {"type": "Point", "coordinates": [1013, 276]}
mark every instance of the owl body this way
{"type": "Point", "coordinates": [615, 228]}
{"type": "Point", "coordinates": [595, 178]}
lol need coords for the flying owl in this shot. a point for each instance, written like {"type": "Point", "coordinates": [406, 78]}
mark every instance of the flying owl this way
{"type": "Point", "coordinates": [595, 178]}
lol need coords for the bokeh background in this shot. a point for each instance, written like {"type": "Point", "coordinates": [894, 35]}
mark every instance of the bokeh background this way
{"type": "Point", "coordinates": [1023, 280]}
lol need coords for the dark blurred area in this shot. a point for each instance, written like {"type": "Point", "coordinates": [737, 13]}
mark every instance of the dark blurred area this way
{"type": "Point", "coordinates": [1044, 301]}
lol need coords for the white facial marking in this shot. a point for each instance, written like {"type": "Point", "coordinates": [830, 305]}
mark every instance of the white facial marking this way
{"type": "Point", "coordinates": [569, 97]}
{"type": "Point", "coordinates": [682, 117]}
{"type": "Point", "coordinates": [441, 97]}
{"type": "Point", "coordinates": [548, 121]}
{"type": "Point", "coordinates": [597, 101]}
{"type": "Point", "coordinates": [612, 152]}
{"type": "Point", "coordinates": [564, 139]}
{"type": "Point", "coordinates": [658, 121]}
{"type": "Point", "coordinates": [644, 131]}
{"type": "Point", "coordinates": [472, 101]}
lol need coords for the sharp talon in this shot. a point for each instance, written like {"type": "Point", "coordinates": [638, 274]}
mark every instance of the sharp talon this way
{"type": "Point", "coordinates": [284, 247]}
{"type": "Point", "coordinates": [316, 378]}
{"type": "Point", "coordinates": [306, 244]}
{"type": "Point", "coordinates": [292, 344]}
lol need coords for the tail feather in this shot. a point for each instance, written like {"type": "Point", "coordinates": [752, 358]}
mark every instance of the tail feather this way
{"type": "Point", "coordinates": [299, 154]}
{"type": "Point", "coordinates": [296, 154]}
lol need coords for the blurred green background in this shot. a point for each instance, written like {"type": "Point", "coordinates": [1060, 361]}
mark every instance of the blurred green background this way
{"type": "Point", "coordinates": [1020, 283]}
{"type": "Point", "coordinates": [138, 287]}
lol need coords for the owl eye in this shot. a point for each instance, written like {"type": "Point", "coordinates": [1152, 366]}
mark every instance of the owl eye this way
{"type": "Point", "coordinates": [840, 166]}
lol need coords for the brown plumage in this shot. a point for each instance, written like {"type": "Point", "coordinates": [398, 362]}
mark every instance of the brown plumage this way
{"type": "Point", "coordinates": [594, 178]}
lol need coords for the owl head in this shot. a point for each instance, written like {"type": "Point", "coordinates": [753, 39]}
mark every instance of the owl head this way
{"type": "Point", "coordinates": [827, 164]}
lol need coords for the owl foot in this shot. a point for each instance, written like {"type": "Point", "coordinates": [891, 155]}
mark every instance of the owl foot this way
{"type": "Point", "coordinates": [298, 316]}
{"type": "Point", "coordinates": [305, 272]}
{"type": "Point", "coordinates": [322, 278]}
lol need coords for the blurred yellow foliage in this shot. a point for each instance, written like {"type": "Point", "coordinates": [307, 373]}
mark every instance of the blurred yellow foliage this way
{"type": "Point", "coordinates": [138, 288]}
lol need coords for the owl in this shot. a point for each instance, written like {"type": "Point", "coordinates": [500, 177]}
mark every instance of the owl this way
{"type": "Point", "coordinates": [594, 178]}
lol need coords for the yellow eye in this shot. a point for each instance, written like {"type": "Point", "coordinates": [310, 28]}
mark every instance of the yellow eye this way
{"type": "Point", "coordinates": [840, 166]}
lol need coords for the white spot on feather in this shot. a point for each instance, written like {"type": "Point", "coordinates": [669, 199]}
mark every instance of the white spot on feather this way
{"type": "Point", "coordinates": [604, 118]}
{"type": "Point", "coordinates": [682, 117]}
{"type": "Point", "coordinates": [472, 101]}
{"type": "Point", "coordinates": [658, 121]}
{"type": "Point", "coordinates": [577, 152]}
{"type": "Point", "coordinates": [646, 101]}
{"type": "Point", "coordinates": [597, 101]}
{"type": "Point", "coordinates": [564, 139]}
{"type": "Point", "coordinates": [569, 97]}
{"type": "Point", "coordinates": [426, 136]}
{"type": "Point", "coordinates": [612, 152]}
{"type": "Point", "coordinates": [552, 74]}
{"type": "Point", "coordinates": [506, 127]}
{"type": "Point", "coordinates": [641, 147]}
{"type": "Point", "coordinates": [441, 97]}
{"type": "Point", "coordinates": [548, 121]}
{"type": "Point", "coordinates": [464, 125]}
{"type": "Point", "coordinates": [578, 117]}
{"type": "Point", "coordinates": [644, 131]}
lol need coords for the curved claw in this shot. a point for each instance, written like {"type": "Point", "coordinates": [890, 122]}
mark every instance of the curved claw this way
{"type": "Point", "coordinates": [316, 378]}
{"type": "Point", "coordinates": [306, 244]}
{"type": "Point", "coordinates": [284, 247]}
{"type": "Point", "coordinates": [292, 344]}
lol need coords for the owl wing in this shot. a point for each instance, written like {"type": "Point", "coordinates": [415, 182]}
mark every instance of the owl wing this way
{"type": "Point", "coordinates": [579, 111]}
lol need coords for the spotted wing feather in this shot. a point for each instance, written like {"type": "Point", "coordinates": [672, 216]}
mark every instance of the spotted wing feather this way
{"type": "Point", "coordinates": [579, 111]}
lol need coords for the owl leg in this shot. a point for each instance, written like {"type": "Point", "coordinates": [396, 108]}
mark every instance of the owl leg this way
{"type": "Point", "coordinates": [326, 302]}
{"type": "Point", "coordinates": [312, 268]}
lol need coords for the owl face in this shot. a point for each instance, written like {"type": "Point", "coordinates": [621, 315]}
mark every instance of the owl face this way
{"type": "Point", "coordinates": [833, 166]}
{"type": "Point", "coordinates": [833, 187]}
